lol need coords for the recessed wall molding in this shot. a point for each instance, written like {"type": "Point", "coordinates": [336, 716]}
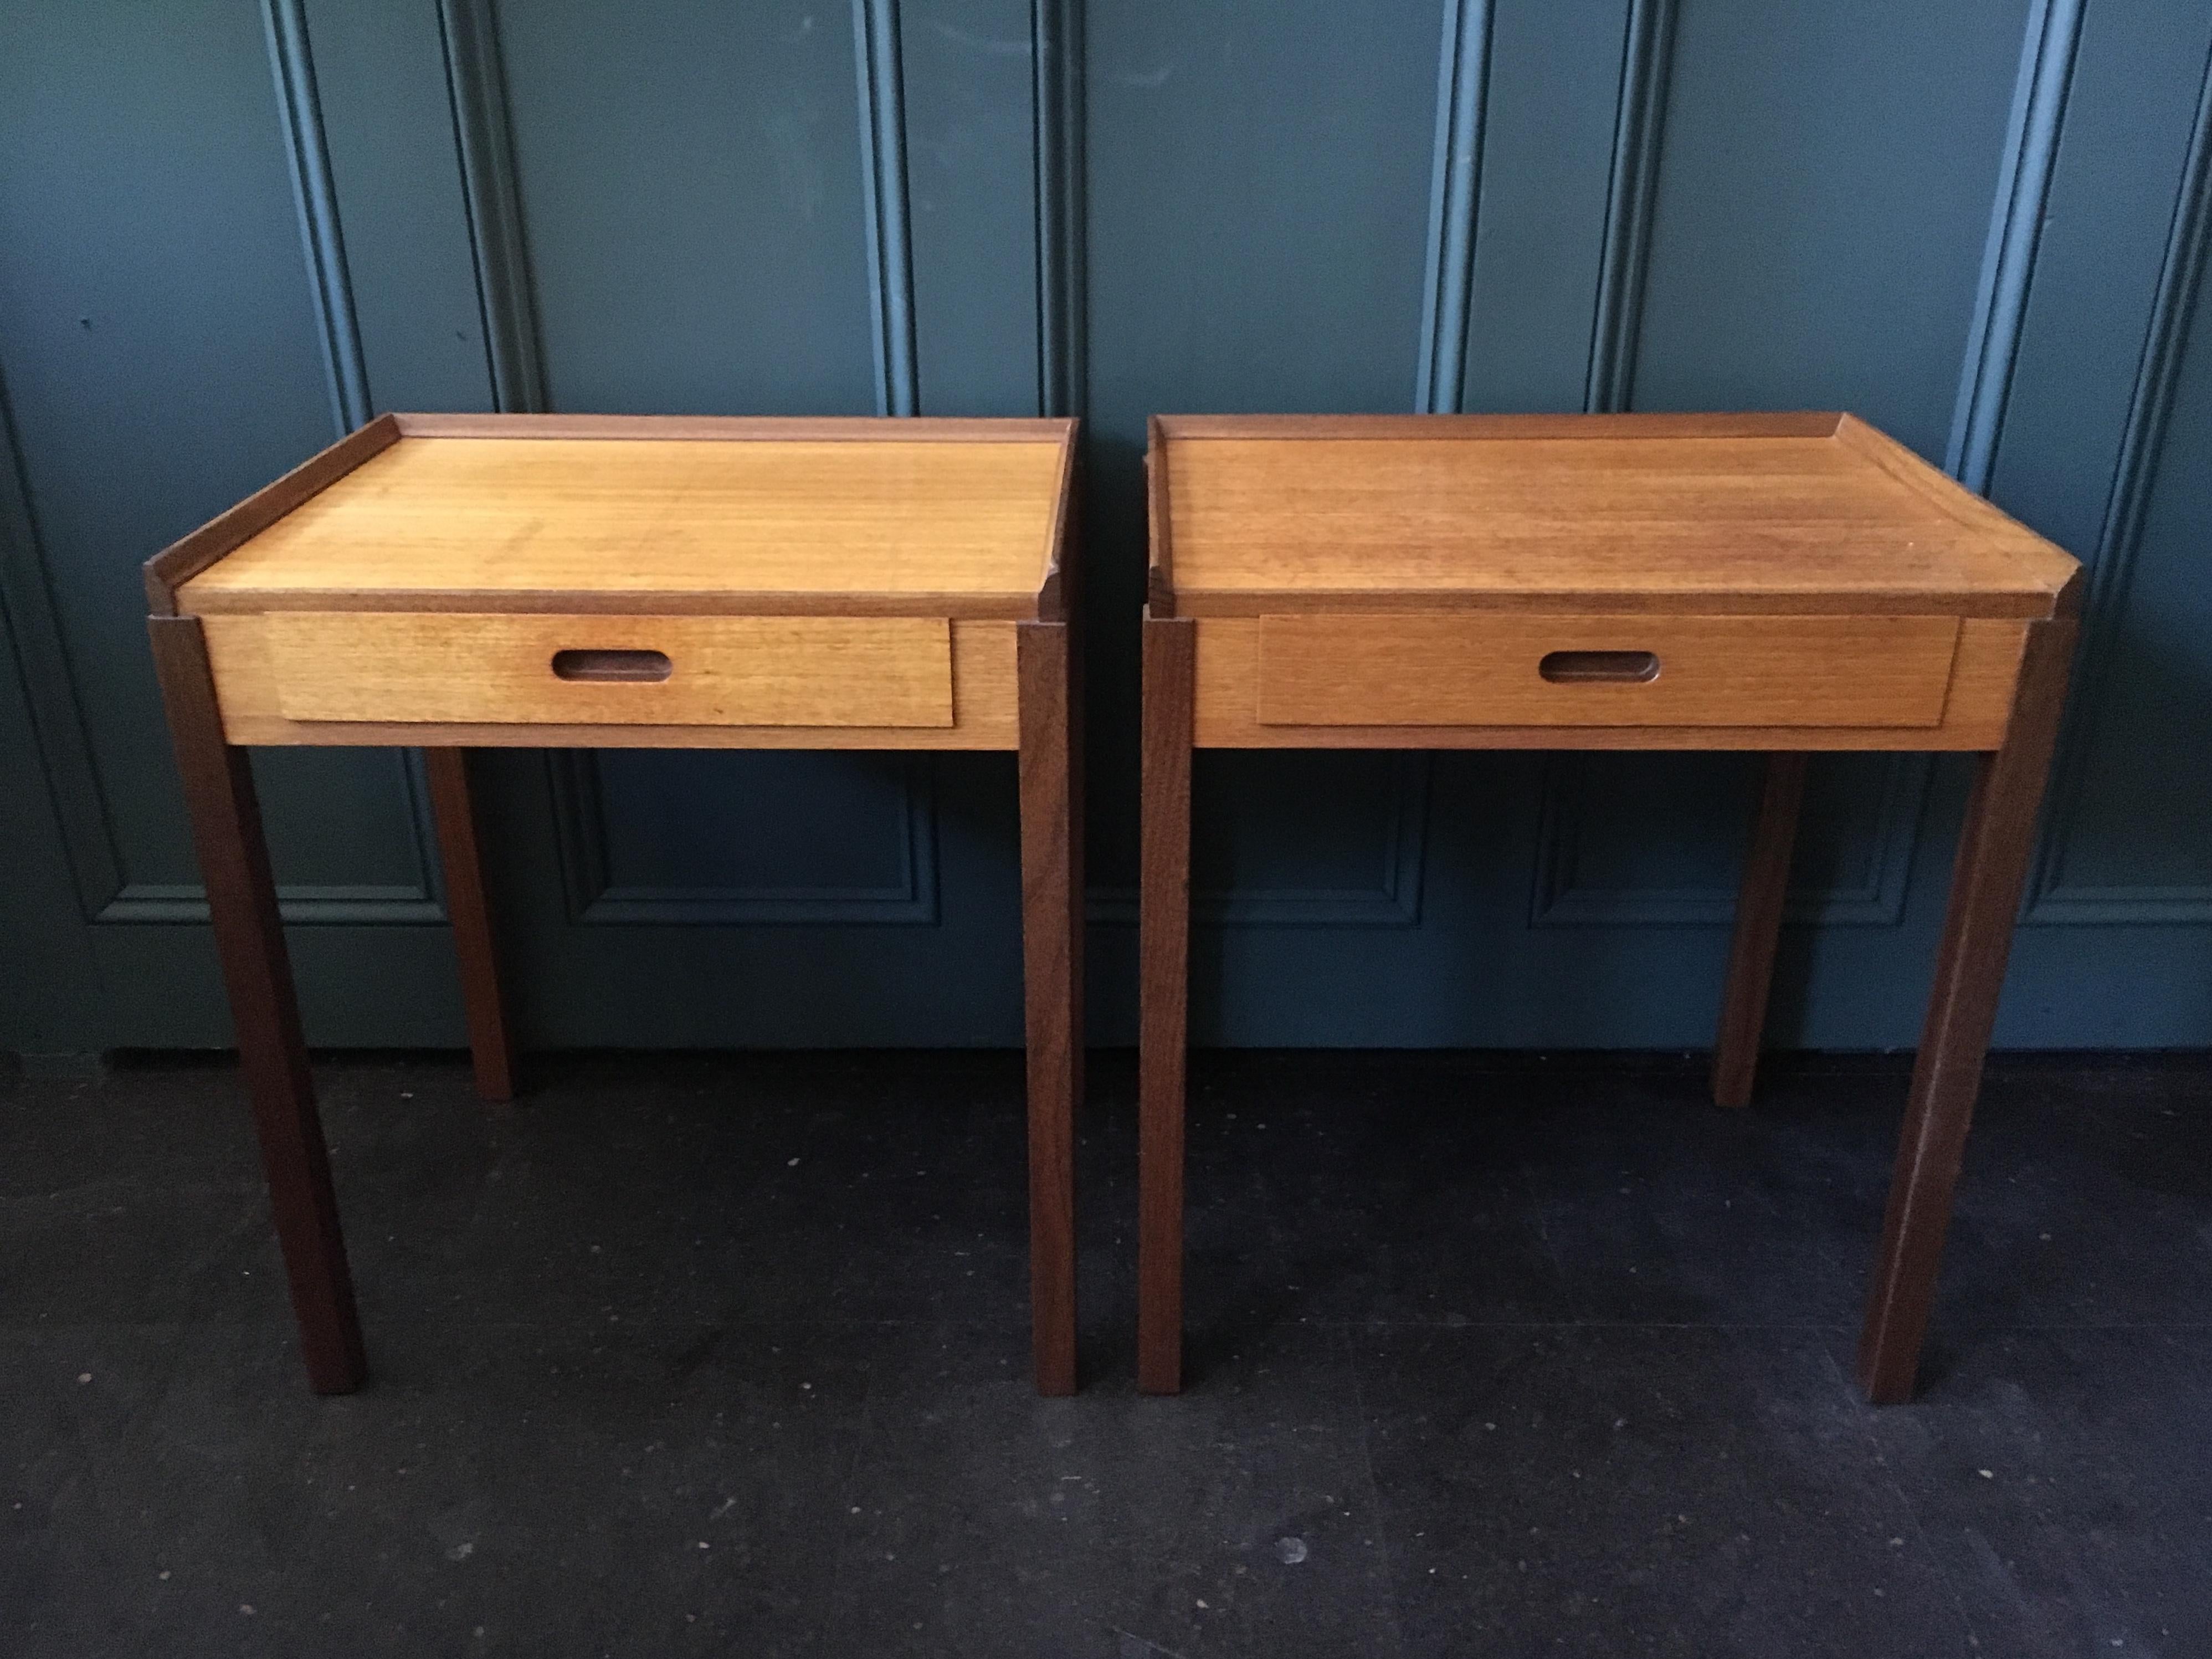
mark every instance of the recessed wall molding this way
{"type": "Point", "coordinates": [1639, 128]}
{"type": "Point", "coordinates": [306, 904]}
{"type": "Point", "coordinates": [106, 895]}
{"type": "Point", "coordinates": [29, 621]}
{"type": "Point", "coordinates": [320, 236]}
{"type": "Point", "coordinates": [141, 902]}
{"type": "Point", "coordinates": [2016, 218]}
{"type": "Point", "coordinates": [1463, 91]}
{"type": "Point", "coordinates": [577, 803]}
{"type": "Point", "coordinates": [1056, 36]}
{"type": "Point", "coordinates": [1395, 901]}
{"type": "Point", "coordinates": [476, 85]}
{"type": "Point", "coordinates": [1875, 899]}
{"type": "Point", "coordinates": [2181, 276]}
{"type": "Point", "coordinates": [883, 192]}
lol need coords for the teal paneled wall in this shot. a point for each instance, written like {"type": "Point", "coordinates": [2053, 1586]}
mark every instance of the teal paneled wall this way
{"type": "Point", "coordinates": [229, 229]}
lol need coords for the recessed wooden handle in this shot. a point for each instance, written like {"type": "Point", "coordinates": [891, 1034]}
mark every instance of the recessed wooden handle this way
{"type": "Point", "coordinates": [603, 665]}
{"type": "Point", "coordinates": [1582, 667]}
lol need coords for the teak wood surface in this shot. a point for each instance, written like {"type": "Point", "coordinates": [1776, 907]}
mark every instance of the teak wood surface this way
{"type": "Point", "coordinates": [457, 582]}
{"type": "Point", "coordinates": [1767, 515]}
{"type": "Point", "coordinates": [739, 518]}
{"type": "Point", "coordinates": [468, 902]}
{"type": "Point", "coordinates": [1428, 669]}
{"type": "Point", "coordinates": [1779, 583]}
{"type": "Point", "coordinates": [430, 667]}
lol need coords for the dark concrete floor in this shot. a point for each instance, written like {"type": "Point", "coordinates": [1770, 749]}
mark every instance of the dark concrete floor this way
{"type": "Point", "coordinates": [728, 1355]}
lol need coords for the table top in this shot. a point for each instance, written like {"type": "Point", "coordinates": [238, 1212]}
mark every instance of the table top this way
{"type": "Point", "coordinates": [1749, 514]}
{"type": "Point", "coordinates": [648, 514]}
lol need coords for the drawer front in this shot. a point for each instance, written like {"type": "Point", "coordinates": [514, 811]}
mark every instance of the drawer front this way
{"type": "Point", "coordinates": [424, 667]}
{"type": "Point", "coordinates": [1498, 669]}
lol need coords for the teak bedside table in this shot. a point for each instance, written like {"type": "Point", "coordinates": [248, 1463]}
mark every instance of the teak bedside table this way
{"type": "Point", "coordinates": [1783, 583]}
{"type": "Point", "coordinates": [460, 581]}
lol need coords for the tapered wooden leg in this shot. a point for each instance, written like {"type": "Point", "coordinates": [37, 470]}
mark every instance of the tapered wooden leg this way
{"type": "Point", "coordinates": [1163, 989]}
{"type": "Point", "coordinates": [1994, 849]}
{"type": "Point", "coordinates": [1051, 767]}
{"type": "Point", "coordinates": [1758, 928]}
{"type": "Point", "coordinates": [453, 806]}
{"type": "Point", "coordinates": [226, 818]}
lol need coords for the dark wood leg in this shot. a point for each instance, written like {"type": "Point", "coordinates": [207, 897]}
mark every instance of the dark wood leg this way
{"type": "Point", "coordinates": [1051, 767]}
{"type": "Point", "coordinates": [1758, 928]}
{"type": "Point", "coordinates": [249, 938]}
{"type": "Point", "coordinates": [1163, 989]}
{"type": "Point", "coordinates": [490, 1046]}
{"type": "Point", "coordinates": [1994, 850]}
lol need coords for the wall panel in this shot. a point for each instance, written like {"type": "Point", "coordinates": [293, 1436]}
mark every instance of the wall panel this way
{"type": "Point", "coordinates": [162, 350]}
{"type": "Point", "coordinates": [227, 227]}
{"type": "Point", "coordinates": [1819, 188]}
{"type": "Point", "coordinates": [1257, 211]}
{"type": "Point", "coordinates": [2104, 442]}
{"type": "Point", "coordinates": [972, 206]}
{"type": "Point", "coordinates": [710, 259]}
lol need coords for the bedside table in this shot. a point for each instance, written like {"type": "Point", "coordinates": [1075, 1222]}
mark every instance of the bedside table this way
{"type": "Point", "coordinates": [1781, 583]}
{"type": "Point", "coordinates": [452, 582]}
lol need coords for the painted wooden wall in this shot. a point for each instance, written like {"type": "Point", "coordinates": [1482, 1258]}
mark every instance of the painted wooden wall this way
{"type": "Point", "coordinates": [230, 230]}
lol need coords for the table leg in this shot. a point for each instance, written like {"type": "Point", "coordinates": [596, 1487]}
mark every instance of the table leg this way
{"type": "Point", "coordinates": [1051, 788]}
{"type": "Point", "coordinates": [1163, 991]}
{"type": "Point", "coordinates": [225, 818]}
{"type": "Point", "coordinates": [1994, 850]}
{"type": "Point", "coordinates": [453, 806]}
{"type": "Point", "coordinates": [1758, 928]}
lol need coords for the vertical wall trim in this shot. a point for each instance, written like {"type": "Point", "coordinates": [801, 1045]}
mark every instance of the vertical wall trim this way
{"type": "Point", "coordinates": [30, 619]}
{"type": "Point", "coordinates": [293, 67]}
{"type": "Point", "coordinates": [476, 88]}
{"type": "Point", "coordinates": [1462, 94]}
{"type": "Point", "coordinates": [1647, 57]}
{"type": "Point", "coordinates": [2039, 112]}
{"type": "Point", "coordinates": [884, 190]}
{"type": "Point", "coordinates": [1638, 128]}
{"type": "Point", "coordinates": [1439, 385]}
{"type": "Point", "coordinates": [2111, 568]}
{"type": "Point", "coordinates": [1056, 28]}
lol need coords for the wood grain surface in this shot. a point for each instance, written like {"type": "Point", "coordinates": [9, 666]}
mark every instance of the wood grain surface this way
{"type": "Point", "coordinates": [1994, 848]}
{"type": "Point", "coordinates": [722, 671]}
{"type": "Point", "coordinates": [1162, 997]}
{"type": "Point", "coordinates": [181, 560]}
{"type": "Point", "coordinates": [1760, 899]}
{"type": "Point", "coordinates": [265, 1008]}
{"type": "Point", "coordinates": [1975, 707]}
{"type": "Point", "coordinates": [468, 907]}
{"type": "Point", "coordinates": [1759, 514]}
{"type": "Point", "coordinates": [1050, 771]}
{"type": "Point", "coordinates": [731, 428]}
{"type": "Point", "coordinates": [983, 709]}
{"type": "Point", "coordinates": [896, 526]}
{"type": "Point", "coordinates": [1484, 669]}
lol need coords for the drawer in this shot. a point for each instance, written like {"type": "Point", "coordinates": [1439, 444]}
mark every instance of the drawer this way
{"type": "Point", "coordinates": [443, 668]}
{"type": "Point", "coordinates": [1534, 670]}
